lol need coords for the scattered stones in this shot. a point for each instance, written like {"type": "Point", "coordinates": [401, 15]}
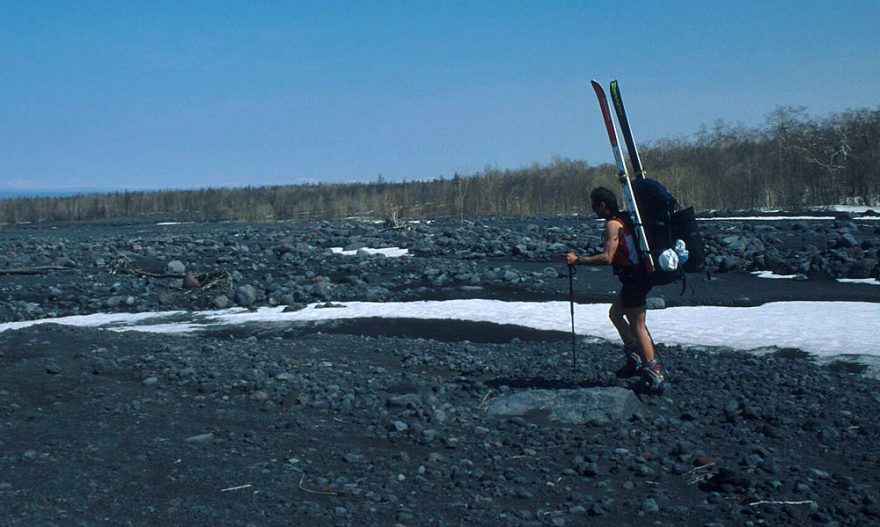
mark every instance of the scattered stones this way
{"type": "Point", "coordinates": [331, 425]}
{"type": "Point", "coordinates": [271, 264]}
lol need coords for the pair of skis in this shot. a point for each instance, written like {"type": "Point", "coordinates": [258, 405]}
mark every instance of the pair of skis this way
{"type": "Point", "coordinates": [625, 185]}
{"type": "Point", "coordinates": [622, 175]}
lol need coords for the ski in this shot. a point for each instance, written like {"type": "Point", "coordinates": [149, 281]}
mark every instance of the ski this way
{"type": "Point", "coordinates": [635, 161]}
{"type": "Point", "coordinates": [623, 178]}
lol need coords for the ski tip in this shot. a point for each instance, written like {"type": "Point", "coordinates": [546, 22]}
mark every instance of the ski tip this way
{"type": "Point", "coordinates": [595, 83]}
{"type": "Point", "coordinates": [614, 84]}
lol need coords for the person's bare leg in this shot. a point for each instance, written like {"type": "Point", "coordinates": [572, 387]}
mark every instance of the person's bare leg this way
{"type": "Point", "coordinates": [639, 331]}
{"type": "Point", "coordinates": [652, 373]}
{"type": "Point", "coordinates": [630, 344]}
{"type": "Point", "coordinates": [616, 313]}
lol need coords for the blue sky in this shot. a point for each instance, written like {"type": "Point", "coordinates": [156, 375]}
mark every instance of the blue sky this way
{"type": "Point", "coordinates": [131, 95]}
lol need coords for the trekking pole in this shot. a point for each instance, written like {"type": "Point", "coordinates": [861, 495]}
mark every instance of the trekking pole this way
{"type": "Point", "coordinates": [571, 308]}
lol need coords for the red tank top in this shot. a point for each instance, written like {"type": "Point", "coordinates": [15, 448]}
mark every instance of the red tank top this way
{"type": "Point", "coordinates": [627, 253]}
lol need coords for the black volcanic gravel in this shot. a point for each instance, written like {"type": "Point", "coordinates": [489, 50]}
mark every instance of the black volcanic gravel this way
{"type": "Point", "coordinates": [382, 422]}
{"type": "Point", "coordinates": [135, 268]}
{"type": "Point", "coordinates": [280, 426]}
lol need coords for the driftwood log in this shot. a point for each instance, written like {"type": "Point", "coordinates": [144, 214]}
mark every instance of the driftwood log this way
{"type": "Point", "coordinates": [213, 280]}
{"type": "Point", "coordinates": [34, 270]}
{"type": "Point", "coordinates": [192, 281]}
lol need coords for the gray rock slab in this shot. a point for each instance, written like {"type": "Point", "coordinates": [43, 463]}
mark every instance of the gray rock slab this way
{"type": "Point", "coordinates": [595, 406]}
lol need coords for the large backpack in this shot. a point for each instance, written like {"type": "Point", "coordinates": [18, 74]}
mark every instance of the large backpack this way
{"type": "Point", "coordinates": [663, 225]}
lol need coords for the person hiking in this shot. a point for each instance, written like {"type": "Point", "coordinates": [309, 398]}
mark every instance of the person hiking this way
{"type": "Point", "coordinates": [627, 312]}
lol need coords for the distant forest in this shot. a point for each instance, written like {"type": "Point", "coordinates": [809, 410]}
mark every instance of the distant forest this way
{"type": "Point", "coordinates": [791, 161]}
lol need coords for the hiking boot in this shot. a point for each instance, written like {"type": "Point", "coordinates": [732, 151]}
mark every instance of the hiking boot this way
{"type": "Point", "coordinates": [652, 381]}
{"type": "Point", "coordinates": [632, 365]}
{"type": "Point", "coordinates": [630, 368]}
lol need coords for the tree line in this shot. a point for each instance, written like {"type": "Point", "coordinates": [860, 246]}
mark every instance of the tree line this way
{"type": "Point", "coordinates": [790, 161]}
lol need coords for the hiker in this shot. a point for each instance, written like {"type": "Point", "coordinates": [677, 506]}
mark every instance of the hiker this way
{"type": "Point", "coordinates": [627, 312]}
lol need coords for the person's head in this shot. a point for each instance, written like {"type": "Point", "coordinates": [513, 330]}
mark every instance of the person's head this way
{"type": "Point", "coordinates": [604, 202]}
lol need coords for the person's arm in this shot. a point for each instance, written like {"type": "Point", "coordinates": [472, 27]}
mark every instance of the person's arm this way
{"type": "Point", "coordinates": [613, 229]}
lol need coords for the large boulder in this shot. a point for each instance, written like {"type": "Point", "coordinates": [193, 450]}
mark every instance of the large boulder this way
{"type": "Point", "coordinates": [594, 406]}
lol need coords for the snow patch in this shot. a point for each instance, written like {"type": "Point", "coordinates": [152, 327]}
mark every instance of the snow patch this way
{"type": "Point", "coordinates": [390, 252]}
{"type": "Point", "coordinates": [771, 274]}
{"type": "Point", "coordinates": [766, 218]}
{"type": "Point", "coordinates": [869, 281]}
{"type": "Point", "coordinates": [821, 328]}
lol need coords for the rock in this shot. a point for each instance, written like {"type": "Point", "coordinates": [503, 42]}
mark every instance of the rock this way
{"type": "Point", "coordinates": [550, 272]}
{"type": "Point", "coordinates": [246, 295]}
{"type": "Point", "coordinates": [846, 241]}
{"type": "Point", "coordinates": [655, 302]}
{"type": "Point", "coordinates": [165, 297]}
{"type": "Point", "coordinates": [115, 301]}
{"type": "Point", "coordinates": [742, 301]}
{"type": "Point", "coordinates": [864, 268]}
{"type": "Point", "coordinates": [323, 290]}
{"type": "Point", "coordinates": [728, 263]}
{"type": "Point", "coordinates": [353, 458]}
{"type": "Point", "coordinates": [727, 481]}
{"type": "Point", "coordinates": [597, 406]}
{"type": "Point", "coordinates": [220, 301]}
{"type": "Point", "coordinates": [259, 396]}
{"type": "Point", "coordinates": [410, 400]}
{"type": "Point", "coordinates": [190, 281]}
{"type": "Point", "coordinates": [399, 426]}
{"type": "Point", "coordinates": [820, 474]}
{"type": "Point", "coordinates": [372, 278]}
{"type": "Point", "coordinates": [175, 267]}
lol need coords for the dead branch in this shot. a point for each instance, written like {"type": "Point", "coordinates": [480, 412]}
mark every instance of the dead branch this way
{"type": "Point", "coordinates": [701, 467]}
{"type": "Point", "coordinates": [240, 487]}
{"type": "Point", "coordinates": [763, 502]}
{"type": "Point", "coordinates": [200, 281]}
{"type": "Point", "coordinates": [700, 474]}
{"type": "Point", "coordinates": [310, 491]}
{"type": "Point", "coordinates": [213, 280]}
{"type": "Point", "coordinates": [34, 270]}
{"type": "Point", "coordinates": [699, 478]}
{"type": "Point", "coordinates": [123, 265]}
{"type": "Point", "coordinates": [485, 397]}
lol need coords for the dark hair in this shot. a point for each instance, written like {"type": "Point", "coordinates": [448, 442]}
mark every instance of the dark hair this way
{"type": "Point", "coordinates": [606, 196]}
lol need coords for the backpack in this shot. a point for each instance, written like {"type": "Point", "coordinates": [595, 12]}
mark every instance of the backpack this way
{"type": "Point", "coordinates": [664, 226]}
{"type": "Point", "coordinates": [684, 227]}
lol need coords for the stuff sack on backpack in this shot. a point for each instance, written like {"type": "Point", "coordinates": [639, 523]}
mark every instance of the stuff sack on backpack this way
{"type": "Point", "coordinates": [684, 227]}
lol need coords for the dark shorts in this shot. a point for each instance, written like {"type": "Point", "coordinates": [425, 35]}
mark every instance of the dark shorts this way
{"type": "Point", "coordinates": [635, 284]}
